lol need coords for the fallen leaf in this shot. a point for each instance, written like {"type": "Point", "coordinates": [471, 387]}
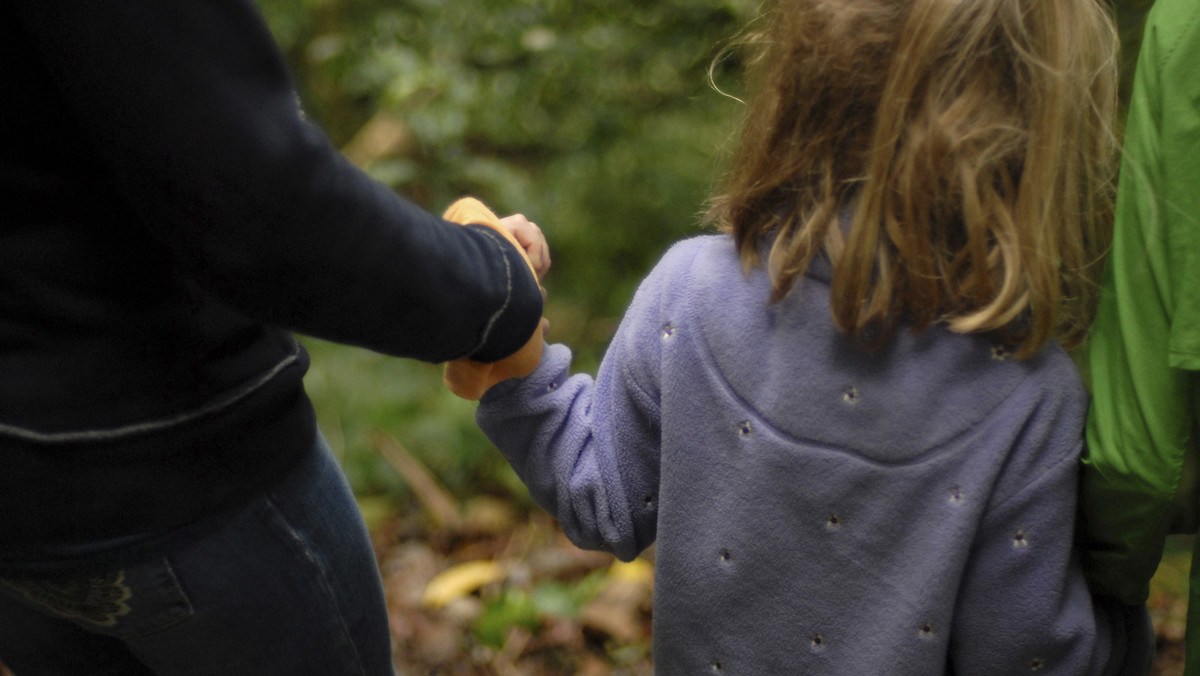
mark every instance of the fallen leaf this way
{"type": "Point", "coordinates": [459, 581]}
{"type": "Point", "coordinates": [637, 570]}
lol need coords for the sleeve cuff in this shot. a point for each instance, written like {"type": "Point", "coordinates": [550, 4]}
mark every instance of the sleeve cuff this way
{"type": "Point", "coordinates": [515, 321]}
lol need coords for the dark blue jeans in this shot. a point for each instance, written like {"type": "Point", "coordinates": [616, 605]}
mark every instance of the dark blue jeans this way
{"type": "Point", "coordinates": [289, 586]}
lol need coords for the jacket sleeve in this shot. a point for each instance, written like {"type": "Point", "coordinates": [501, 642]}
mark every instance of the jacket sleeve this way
{"type": "Point", "coordinates": [1145, 344]}
{"type": "Point", "coordinates": [190, 109]}
{"type": "Point", "coordinates": [589, 449]}
{"type": "Point", "coordinates": [1024, 604]}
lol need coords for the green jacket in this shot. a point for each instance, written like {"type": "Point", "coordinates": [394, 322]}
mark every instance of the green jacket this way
{"type": "Point", "coordinates": [1144, 352]}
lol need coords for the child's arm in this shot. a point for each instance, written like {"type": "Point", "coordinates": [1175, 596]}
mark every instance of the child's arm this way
{"type": "Point", "coordinates": [1024, 604]}
{"type": "Point", "coordinates": [589, 450]}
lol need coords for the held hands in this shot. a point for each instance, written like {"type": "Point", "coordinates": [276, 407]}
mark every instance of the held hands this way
{"type": "Point", "coordinates": [531, 242]}
{"type": "Point", "coordinates": [466, 377]}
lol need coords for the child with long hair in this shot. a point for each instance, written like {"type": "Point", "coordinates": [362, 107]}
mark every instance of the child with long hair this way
{"type": "Point", "coordinates": [846, 420]}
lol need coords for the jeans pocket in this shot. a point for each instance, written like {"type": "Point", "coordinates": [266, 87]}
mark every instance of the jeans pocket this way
{"type": "Point", "coordinates": [123, 603]}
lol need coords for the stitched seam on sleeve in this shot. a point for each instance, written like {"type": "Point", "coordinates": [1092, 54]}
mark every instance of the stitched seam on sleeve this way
{"type": "Point", "coordinates": [487, 328]}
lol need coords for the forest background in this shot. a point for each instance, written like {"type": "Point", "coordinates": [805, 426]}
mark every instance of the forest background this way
{"type": "Point", "coordinates": [605, 121]}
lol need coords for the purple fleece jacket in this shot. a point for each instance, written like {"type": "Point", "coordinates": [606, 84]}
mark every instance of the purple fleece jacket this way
{"type": "Point", "coordinates": [819, 509]}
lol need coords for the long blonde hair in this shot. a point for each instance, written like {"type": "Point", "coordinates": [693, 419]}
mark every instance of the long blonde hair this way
{"type": "Point", "coordinates": [971, 138]}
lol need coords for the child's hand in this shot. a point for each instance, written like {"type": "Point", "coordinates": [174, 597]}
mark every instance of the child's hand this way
{"type": "Point", "coordinates": [530, 236]}
{"type": "Point", "coordinates": [468, 378]}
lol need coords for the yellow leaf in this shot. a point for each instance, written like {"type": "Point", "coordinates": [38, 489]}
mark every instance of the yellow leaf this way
{"type": "Point", "coordinates": [637, 570]}
{"type": "Point", "coordinates": [458, 581]}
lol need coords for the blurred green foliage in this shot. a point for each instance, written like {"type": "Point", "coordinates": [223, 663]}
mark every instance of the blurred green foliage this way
{"type": "Point", "coordinates": [602, 120]}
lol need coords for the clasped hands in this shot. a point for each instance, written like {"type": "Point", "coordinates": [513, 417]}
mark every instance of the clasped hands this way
{"type": "Point", "coordinates": [466, 377]}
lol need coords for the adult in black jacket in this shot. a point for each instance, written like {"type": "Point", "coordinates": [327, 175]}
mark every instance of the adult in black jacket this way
{"type": "Point", "coordinates": [167, 217]}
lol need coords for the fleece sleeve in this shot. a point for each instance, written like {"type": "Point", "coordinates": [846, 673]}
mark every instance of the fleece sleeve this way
{"type": "Point", "coordinates": [1145, 344]}
{"type": "Point", "coordinates": [589, 449]}
{"type": "Point", "coordinates": [190, 107]}
{"type": "Point", "coordinates": [1023, 602]}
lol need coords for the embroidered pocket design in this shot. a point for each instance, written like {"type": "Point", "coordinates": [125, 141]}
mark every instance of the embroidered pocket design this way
{"type": "Point", "coordinates": [98, 600]}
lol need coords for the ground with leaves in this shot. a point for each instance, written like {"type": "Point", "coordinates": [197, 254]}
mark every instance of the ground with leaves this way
{"type": "Point", "coordinates": [484, 587]}
{"type": "Point", "coordinates": [518, 602]}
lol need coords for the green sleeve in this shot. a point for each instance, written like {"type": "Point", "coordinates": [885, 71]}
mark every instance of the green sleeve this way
{"type": "Point", "coordinates": [1145, 343]}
